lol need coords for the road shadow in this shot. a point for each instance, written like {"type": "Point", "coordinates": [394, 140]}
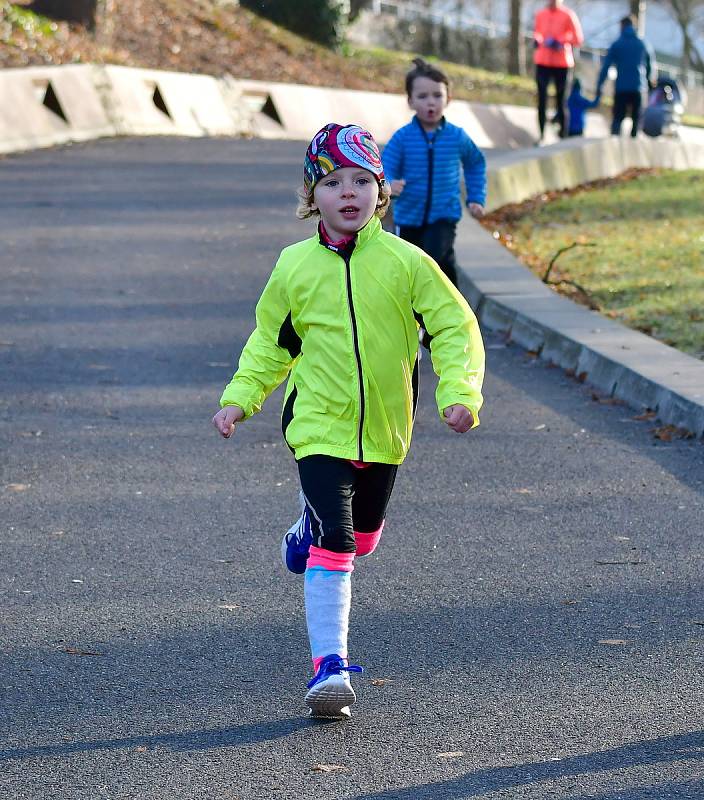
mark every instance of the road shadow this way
{"type": "Point", "coordinates": [188, 741]}
{"type": "Point", "coordinates": [666, 750]}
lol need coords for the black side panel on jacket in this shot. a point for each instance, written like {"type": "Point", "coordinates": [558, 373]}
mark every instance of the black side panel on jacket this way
{"type": "Point", "coordinates": [288, 338]}
{"type": "Point", "coordinates": [287, 414]}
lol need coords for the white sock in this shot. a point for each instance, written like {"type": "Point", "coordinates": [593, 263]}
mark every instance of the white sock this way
{"type": "Point", "coordinates": [328, 598]}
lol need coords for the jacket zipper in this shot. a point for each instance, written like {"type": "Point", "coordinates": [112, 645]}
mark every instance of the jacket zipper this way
{"type": "Point", "coordinates": [429, 195]}
{"type": "Point", "coordinates": [347, 256]}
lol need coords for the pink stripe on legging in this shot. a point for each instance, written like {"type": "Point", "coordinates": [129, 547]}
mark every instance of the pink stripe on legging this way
{"type": "Point", "coordinates": [337, 562]}
{"type": "Point", "coordinates": [367, 542]}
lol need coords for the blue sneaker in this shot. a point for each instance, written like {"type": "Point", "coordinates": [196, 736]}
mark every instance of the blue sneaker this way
{"type": "Point", "coordinates": [295, 546]}
{"type": "Point", "coordinates": [330, 693]}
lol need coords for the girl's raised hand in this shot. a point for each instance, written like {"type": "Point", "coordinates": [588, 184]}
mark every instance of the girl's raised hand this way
{"type": "Point", "coordinates": [226, 419]}
{"type": "Point", "coordinates": [459, 418]}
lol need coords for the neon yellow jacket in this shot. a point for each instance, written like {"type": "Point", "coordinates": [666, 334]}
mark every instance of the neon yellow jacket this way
{"type": "Point", "coordinates": [344, 324]}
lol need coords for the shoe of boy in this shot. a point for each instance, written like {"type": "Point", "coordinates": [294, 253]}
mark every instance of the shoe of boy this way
{"type": "Point", "coordinates": [296, 543]}
{"type": "Point", "coordinates": [330, 693]}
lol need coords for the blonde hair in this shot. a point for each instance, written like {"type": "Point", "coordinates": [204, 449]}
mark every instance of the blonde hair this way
{"type": "Point", "coordinates": [305, 208]}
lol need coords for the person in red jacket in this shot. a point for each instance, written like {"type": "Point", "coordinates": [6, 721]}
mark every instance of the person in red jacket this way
{"type": "Point", "coordinates": [556, 32]}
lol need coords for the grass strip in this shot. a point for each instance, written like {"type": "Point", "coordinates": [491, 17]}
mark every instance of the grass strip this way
{"type": "Point", "coordinates": [645, 265]}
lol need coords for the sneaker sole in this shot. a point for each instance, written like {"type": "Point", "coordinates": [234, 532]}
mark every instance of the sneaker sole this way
{"type": "Point", "coordinates": [331, 699]}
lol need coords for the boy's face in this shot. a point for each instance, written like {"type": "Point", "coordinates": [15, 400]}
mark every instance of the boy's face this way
{"type": "Point", "coordinates": [346, 199]}
{"type": "Point", "coordinates": [429, 100]}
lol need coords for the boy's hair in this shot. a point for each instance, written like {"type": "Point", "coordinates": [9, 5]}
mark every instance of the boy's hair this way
{"type": "Point", "coordinates": [626, 21]}
{"type": "Point", "coordinates": [305, 202]}
{"type": "Point", "coordinates": [424, 70]}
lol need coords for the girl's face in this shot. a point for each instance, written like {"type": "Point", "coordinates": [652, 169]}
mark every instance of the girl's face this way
{"type": "Point", "coordinates": [346, 199]}
{"type": "Point", "coordinates": [428, 99]}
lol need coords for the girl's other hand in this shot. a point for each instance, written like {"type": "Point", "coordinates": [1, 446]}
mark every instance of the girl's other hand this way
{"type": "Point", "coordinates": [459, 418]}
{"type": "Point", "coordinates": [226, 419]}
{"type": "Point", "coordinates": [476, 210]}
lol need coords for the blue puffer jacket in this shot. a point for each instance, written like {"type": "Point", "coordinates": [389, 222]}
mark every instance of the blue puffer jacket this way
{"type": "Point", "coordinates": [430, 164]}
{"type": "Point", "coordinates": [633, 60]}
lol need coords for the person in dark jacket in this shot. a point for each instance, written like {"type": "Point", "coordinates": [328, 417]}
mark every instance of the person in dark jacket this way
{"type": "Point", "coordinates": [635, 65]}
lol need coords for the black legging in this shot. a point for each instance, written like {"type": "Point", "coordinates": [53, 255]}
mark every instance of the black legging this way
{"type": "Point", "coordinates": [543, 76]}
{"type": "Point", "coordinates": [343, 499]}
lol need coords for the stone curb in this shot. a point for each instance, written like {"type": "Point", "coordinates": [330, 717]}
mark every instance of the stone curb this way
{"type": "Point", "coordinates": [621, 363]}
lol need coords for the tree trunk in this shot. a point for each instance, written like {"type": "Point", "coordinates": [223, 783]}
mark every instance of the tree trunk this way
{"type": "Point", "coordinates": [81, 11]}
{"type": "Point", "coordinates": [637, 11]}
{"type": "Point", "coordinates": [516, 58]}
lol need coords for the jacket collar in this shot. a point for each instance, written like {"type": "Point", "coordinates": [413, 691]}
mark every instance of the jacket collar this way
{"type": "Point", "coordinates": [370, 231]}
{"type": "Point", "coordinates": [437, 130]}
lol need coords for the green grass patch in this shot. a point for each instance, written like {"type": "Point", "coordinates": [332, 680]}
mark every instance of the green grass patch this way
{"type": "Point", "coordinates": [30, 23]}
{"type": "Point", "coordinates": [646, 266]}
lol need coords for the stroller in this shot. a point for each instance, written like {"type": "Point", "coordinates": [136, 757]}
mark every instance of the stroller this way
{"type": "Point", "coordinates": [663, 115]}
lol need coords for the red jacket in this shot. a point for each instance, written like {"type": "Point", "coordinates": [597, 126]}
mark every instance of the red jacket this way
{"type": "Point", "coordinates": [561, 25]}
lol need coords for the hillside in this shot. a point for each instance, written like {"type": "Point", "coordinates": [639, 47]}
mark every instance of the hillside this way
{"type": "Point", "coordinates": [217, 37]}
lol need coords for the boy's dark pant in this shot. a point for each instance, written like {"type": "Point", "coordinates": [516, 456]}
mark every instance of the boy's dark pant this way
{"type": "Point", "coordinates": [543, 76]}
{"type": "Point", "coordinates": [623, 101]}
{"type": "Point", "coordinates": [437, 239]}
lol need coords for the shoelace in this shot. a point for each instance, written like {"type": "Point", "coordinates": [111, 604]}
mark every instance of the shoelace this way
{"type": "Point", "coordinates": [333, 668]}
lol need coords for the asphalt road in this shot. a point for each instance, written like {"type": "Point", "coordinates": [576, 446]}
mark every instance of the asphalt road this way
{"type": "Point", "coordinates": [531, 626]}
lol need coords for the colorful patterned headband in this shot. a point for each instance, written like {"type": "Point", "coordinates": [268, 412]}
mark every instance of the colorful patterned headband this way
{"type": "Point", "coordinates": [336, 146]}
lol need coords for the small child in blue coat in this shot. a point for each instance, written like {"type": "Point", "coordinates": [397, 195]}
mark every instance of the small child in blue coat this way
{"type": "Point", "coordinates": [577, 106]}
{"type": "Point", "coordinates": [423, 162]}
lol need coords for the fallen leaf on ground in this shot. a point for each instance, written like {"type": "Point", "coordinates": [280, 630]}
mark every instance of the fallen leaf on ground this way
{"type": "Point", "coordinates": [18, 487]}
{"type": "Point", "coordinates": [606, 401]}
{"type": "Point", "coordinates": [698, 622]}
{"type": "Point", "coordinates": [524, 491]}
{"type": "Point", "coordinates": [217, 363]}
{"type": "Point", "coordinates": [645, 415]}
{"type": "Point", "coordinates": [381, 681]}
{"type": "Point", "coordinates": [614, 641]}
{"type": "Point", "coordinates": [75, 651]}
{"type": "Point", "coordinates": [598, 561]}
{"type": "Point", "coordinates": [666, 433]}
{"type": "Point", "coordinates": [229, 606]}
{"type": "Point", "coordinates": [570, 602]}
{"type": "Point", "coordinates": [328, 768]}
{"type": "Point", "coordinates": [141, 749]}
{"type": "Point", "coordinates": [539, 427]}
{"type": "Point", "coordinates": [451, 754]}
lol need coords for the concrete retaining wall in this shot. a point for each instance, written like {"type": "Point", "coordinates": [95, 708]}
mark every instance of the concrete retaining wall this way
{"type": "Point", "coordinates": [291, 111]}
{"type": "Point", "coordinates": [46, 106]}
{"type": "Point", "coordinates": [513, 177]}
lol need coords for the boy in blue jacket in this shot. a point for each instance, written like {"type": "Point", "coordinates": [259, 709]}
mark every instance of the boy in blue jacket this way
{"type": "Point", "coordinates": [422, 162]}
